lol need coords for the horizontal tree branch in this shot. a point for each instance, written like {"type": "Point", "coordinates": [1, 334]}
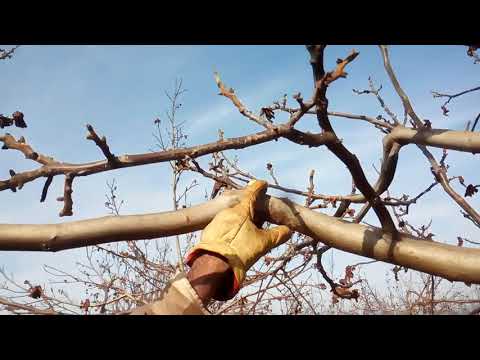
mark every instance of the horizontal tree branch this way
{"type": "Point", "coordinates": [52, 168]}
{"type": "Point", "coordinates": [465, 141]}
{"type": "Point", "coordinates": [30, 309]}
{"type": "Point", "coordinates": [447, 261]}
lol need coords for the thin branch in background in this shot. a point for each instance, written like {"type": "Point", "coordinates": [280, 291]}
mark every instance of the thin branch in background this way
{"type": "Point", "coordinates": [450, 97]}
{"type": "Point", "coordinates": [475, 122]}
{"type": "Point", "coordinates": [7, 54]}
{"type": "Point", "coordinates": [270, 170]}
{"type": "Point", "coordinates": [376, 92]}
{"type": "Point", "coordinates": [311, 188]}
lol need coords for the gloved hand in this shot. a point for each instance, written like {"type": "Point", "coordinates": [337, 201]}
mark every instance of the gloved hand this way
{"type": "Point", "coordinates": [234, 235]}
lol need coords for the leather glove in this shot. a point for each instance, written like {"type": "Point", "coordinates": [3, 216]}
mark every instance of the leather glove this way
{"type": "Point", "coordinates": [234, 235]}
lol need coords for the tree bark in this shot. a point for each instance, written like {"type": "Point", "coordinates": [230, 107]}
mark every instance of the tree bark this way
{"type": "Point", "coordinates": [447, 261]}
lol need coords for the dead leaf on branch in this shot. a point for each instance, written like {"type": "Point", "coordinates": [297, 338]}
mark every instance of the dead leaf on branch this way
{"type": "Point", "coordinates": [471, 50]}
{"type": "Point", "coordinates": [36, 292]}
{"type": "Point", "coordinates": [471, 190]}
{"type": "Point", "coordinates": [349, 273]}
{"type": "Point", "coordinates": [445, 110]}
{"type": "Point", "coordinates": [269, 113]}
{"type": "Point", "coordinates": [349, 294]}
{"type": "Point", "coordinates": [267, 260]}
{"type": "Point", "coordinates": [350, 212]}
{"type": "Point", "coordinates": [460, 241]}
{"type": "Point", "coordinates": [84, 305]}
{"type": "Point", "coordinates": [18, 119]}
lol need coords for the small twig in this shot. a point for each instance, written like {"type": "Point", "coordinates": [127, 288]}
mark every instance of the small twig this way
{"type": "Point", "coordinates": [67, 196]}
{"type": "Point", "coordinates": [102, 144]}
{"type": "Point", "coordinates": [45, 188]}
{"type": "Point", "coordinates": [339, 71]}
{"type": "Point", "coordinates": [7, 54]}
{"type": "Point", "coordinates": [475, 122]}
{"type": "Point", "coordinates": [466, 240]}
{"type": "Point", "coordinates": [230, 94]}
{"type": "Point", "coordinates": [376, 92]}
{"type": "Point", "coordinates": [451, 97]}
{"type": "Point", "coordinates": [270, 170]}
{"type": "Point", "coordinates": [310, 189]}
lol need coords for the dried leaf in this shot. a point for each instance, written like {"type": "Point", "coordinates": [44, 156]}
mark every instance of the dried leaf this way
{"type": "Point", "coordinates": [471, 190]}
{"type": "Point", "coordinates": [18, 119]}
{"type": "Point", "coordinates": [349, 273]}
{"type": "Point", "coordinates": [84, 305]}
{"type": "Point", "coordinates": [267, 260]}
{"type": "Point", "coordinates": [350, 212]}
{"type": "Point", "coordinates": [36, 292]}
{"type": "Point", "coordinates": [269, 113]}
{"type": "Point", "coordinates": [445, 110]}
{"type": "Point", "coordinates": [471, 50]}
{"type": "Point", "coordinates": [350, 294]}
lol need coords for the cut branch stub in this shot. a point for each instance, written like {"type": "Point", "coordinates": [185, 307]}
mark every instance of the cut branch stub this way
{"type": "Point", "coordinates": [67, 196]}
{"type": "Point", "coordinates": [339, 71]}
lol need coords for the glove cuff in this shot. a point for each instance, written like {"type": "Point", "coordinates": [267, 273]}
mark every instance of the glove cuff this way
{"type": "Point", "coordinates": [228, 254]}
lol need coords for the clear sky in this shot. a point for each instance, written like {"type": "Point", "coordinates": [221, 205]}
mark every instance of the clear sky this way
{"type": "Point", "coordinates": [120, 91]}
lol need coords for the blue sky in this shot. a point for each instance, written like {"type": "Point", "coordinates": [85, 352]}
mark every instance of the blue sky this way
{"type": "Point", "coordinates": [120, 91]}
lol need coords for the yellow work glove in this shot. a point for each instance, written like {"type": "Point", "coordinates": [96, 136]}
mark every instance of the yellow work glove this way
{"type": "Point", "coordinates": [233, 235]}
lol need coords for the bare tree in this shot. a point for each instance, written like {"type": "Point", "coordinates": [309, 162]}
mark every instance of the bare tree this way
{"type": "Point", "coordinates": [125, 274]}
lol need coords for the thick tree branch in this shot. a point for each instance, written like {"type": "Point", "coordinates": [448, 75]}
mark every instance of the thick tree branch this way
{"type": "Point", "coordinates": [336, 147]}
{"type": "Point", "coordinates": [451, 262]}
{"type": "Point", "coordinates": [30, 309]}
{"type": "Point", "coordinates": [459, 141]}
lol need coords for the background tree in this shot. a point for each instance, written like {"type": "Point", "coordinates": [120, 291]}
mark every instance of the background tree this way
{"type": "Point", "coordinates": [122, 270]}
